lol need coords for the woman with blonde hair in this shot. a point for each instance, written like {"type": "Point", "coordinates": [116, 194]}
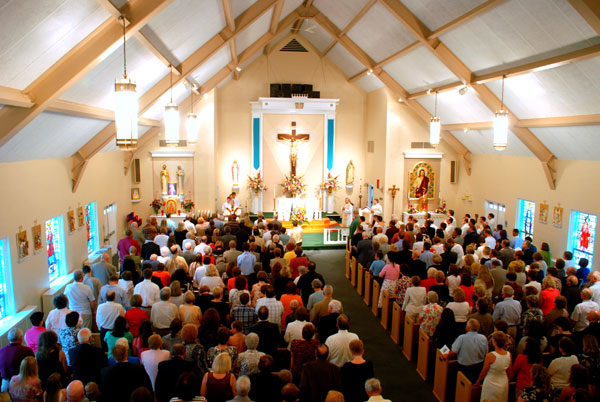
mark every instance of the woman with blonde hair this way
{"type": "Point", "coordinates": [493, 376]}
{"type": "Point", "coordinates": [216, 236]}
{"type": "Point", "coordinates": [475, 267]}
{"type": "Point", "coordinates": [26, 386]}
{"type": "Point", "coordinates": [211, 279]}
{"type": "Point", "coordinates": [176, 293]}
{"type": "Point", "coordinates": [218, 385]}
{"type": "Point", "coordinates": [548, 295]}
{"type": "Point", "coordinates": [189, 312]}
{"type": "Point", "coordinates": [460, 307]}
{"type": "Point", "coordinates": [485, 279]}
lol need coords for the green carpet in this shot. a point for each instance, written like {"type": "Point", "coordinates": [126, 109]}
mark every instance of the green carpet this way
{"type": "Point", "coordinates": [398, 377]}
{"type": "Point", "coordinates": [314, 241]}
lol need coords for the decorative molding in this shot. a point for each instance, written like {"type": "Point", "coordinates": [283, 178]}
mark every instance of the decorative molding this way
{"type": "Point", "coordinates": [423, 155]}
{"type": "Point", "coordinates": [288, 106]}
{"type": "Point", "coordinates": [172, 154]}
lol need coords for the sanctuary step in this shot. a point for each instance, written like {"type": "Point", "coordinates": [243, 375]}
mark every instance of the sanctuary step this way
{"type": "Point", "coordinates": [314, 226]}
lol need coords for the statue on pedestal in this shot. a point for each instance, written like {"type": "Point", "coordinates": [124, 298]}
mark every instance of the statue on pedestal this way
{"type": "Point", "coordinates": [180, 174]}
{"type": "Point", "coordinates": [164, 180]}
{"type": "Point", "coordinates": [235, 173]}
{"type": "Point", "coordinates": [350, 173]}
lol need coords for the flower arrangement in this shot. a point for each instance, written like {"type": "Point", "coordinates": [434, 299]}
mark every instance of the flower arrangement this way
{"type": "Point", "coordinates": [187, 205]}
{"type": "Point", "coordinates": [412, 209]}
{"type": "Point", "coordinates": [442, 208]}
{"type": "Point", "coordinates": [330, 184]}
{"type": "Point", "coordinates": [293, 185]}
{"type": "Point", "coordinates": [298, 215]}
{"type": "Point", "coordinates": [156, 205]}
{"type": "Point", "coordinates": [256, 183]}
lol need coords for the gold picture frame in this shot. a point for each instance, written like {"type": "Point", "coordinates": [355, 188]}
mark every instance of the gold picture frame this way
{"type": "Point", "coordinates": [22, 244]}
{"type": "Point", "coordinates": [71, 220]}
{"type": "Point", "coordinates": [37, 237]}
{"type": "Point", "coordinates": [135, 194]}
{"type": "Point", "coordinates": [543, 216]}
{"type": "Point", "coordinates": [80, 217]}
{"type": "Point", "coordinates": [557, 217]}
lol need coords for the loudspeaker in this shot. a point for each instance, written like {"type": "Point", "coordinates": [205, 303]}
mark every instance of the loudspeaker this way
{"type": "Point", "coordinates": [135, 171]}
{"type": "Point", "coordinates": [453, 172]}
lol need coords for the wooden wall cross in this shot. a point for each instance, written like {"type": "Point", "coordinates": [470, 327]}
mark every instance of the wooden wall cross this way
{"type": "Point", "coordinates": [293, 140]}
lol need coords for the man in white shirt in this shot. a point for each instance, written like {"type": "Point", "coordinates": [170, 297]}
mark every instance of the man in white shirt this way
{"type": "Point", "coordinates": [294, 329]}
{"type": "Point", "coordinates": [107, 313]}
{"type": "Point", "coordinates": [595, 288]}
{"type": "Point", "coordinates": [162, 239]}
{"type": "Point", "coordinates": [201, 271]}
{"type": "Point", "coordinates": [339, 344]}
{"type": "Point", "coordinates": [201, 248]}
{"type": "Point", "coordinates": [81, 299]}
{"type": "Point", "coordinates": [490, 241]}
{"type": "Point", "coordinates": [582, 309]}
{"type": "Point", "coordinates": [148, 290]}
{"type": "Point", "coordinates": [163, 312]}
{"type": "Point", "coordinates": [296, 233]}
{"type": "Point", "coordinates": [189, 226]}
{"type": "Point", "coordinates": [491, 222]}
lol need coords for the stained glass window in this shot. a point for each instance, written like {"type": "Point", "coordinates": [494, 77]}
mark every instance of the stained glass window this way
{"type": "Point", "coordinates": [55, 246]}
{"type": "Point", "coordinates": [582, 235]}
{"type": "Point", "coordinates": [91, 225]}
{"type": "Point", "coordinates": [525, 217]}
{"type": "Point", "coordinates": [6, 300]}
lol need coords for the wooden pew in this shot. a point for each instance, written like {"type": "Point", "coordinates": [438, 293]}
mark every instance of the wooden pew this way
{"type": "Point", "coordinates": [386, 309]}
{"type": "Point", "coordinates": [444, 381]}
{"type": "Point", "coordinates": [368, 283]}
{"type": "Point", "coordinates": [353, 272]}
{"type": "Point", "coordinates": [425, 357]}
{"type": "Point", "coordinates": [397, 331]}
{"type": "Point", "coordinates": [375, 290]}
{"type": "Point", "coordinates": [411, 338]}
{"type": "Point", "coordinates": [465, 390]}
{"type": "Point", "coordinates": [360, 279]}
{"type": "Point", "coordinates": [348, 261]}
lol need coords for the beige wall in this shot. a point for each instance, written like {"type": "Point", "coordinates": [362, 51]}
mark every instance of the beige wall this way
{"type": "Point", "coordinates": [40, 190]}
{"type": "Point", "coordinates": [505, 179]}
{"type": "Point", "coordinates": [233, 116]}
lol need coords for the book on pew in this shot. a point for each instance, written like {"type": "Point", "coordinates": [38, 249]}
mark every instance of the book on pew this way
{"type": "Point", "coordinates": [445, 350]}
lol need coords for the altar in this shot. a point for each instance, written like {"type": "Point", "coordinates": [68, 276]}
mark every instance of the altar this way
{"type": "Point", "coordinates": [420, 216]}
{"type": "Point", "coordinates": [174, 217]}
{"type": "Point", "coordinates": [286, 205]}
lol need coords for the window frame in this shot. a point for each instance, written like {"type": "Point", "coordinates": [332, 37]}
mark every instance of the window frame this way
{"type": "Point", "coordinates": [6, 266]}
{"type": "Point", "coordinates": [572, 239]}
{"type": "Point", "coordinates": [93, 207]}
{"type": "Point", "coordinates": [520, 218]}
{"type": "Point", "coordinates": [62, 263]}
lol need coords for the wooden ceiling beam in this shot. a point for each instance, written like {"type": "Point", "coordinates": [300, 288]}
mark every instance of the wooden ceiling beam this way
{"type": "Point", "coordinates": [228, 11]}
{"type": "Point", "coordinates": [298, 24]}
{"type": "Point", "coordinates": [390, 83]}
{"type": "Point", "coordinates": [476, 12]}
{"type": "Point", "coordinates": [590, 11]}
{"type": "Point", "coordinates": [351, 24]}
{"type": "Point", "coordinates": [276, 16]}
{"type": "Point", "coordinates": [77, 109]}
{"type": "Point", "coordinates": [388, 59]}
{"type": "Point", "coordinates": [560, 121]}
{"type": "Point", "coordinates": [75, 64]}
{"type": "Point", "coordinates": [14, 97]}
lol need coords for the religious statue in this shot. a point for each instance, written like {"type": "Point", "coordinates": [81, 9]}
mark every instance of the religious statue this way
{"type": "Point", "coordinates": [235, 173]}
{"type": "Point", "coordinates": [350, 173]}
{"type": "Point", "coordinates": [179, 180]}
{"type": "Point", "coordinates": [164, 180]}
{"type": "Point", "coordinates": [293, 139]}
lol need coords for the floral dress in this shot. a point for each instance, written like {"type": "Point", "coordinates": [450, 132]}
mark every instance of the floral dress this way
{"type": "Point", "coordinates": [402, 284]}
{"type": "Point", "coordinates": [532, 394]}
{"type": "Point", "coordinates": [27, 391]}
{"type": "Point", "coordinates": [429, 317]}
{"type": "Point", "coordinates": [530, 315]}
{"type": "Point", "coordinates": [67, 337]}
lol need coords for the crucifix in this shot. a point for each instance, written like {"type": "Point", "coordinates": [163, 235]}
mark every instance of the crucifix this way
{"type": "Point", "coordinates": [293, 140]}
{"type": "Point", "coordinates": [393, 189]}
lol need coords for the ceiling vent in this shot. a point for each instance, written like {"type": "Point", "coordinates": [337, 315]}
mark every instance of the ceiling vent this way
{"type": "Point", "coordinates": [293, 46]}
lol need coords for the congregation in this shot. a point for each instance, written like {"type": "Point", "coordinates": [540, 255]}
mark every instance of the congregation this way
{"type": "Point", "coordinates": [201, 310]}
{"type": "Point", "coordinates": [504, 309]}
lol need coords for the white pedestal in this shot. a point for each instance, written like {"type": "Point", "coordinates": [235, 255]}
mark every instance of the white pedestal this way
{"type": "Point", "coordinates": [330, 205]}
{"type": "Point", "coordinates": [257, 202]}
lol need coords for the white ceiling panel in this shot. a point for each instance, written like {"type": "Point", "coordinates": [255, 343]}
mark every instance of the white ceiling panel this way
{"type": "Point", "coordinates": [573, 143]}
{"type": "Point", "coordinates": [50, 135]}
{"type": "Point", "coordinates": [96, 88]}
{"type": "Point", "coordinates": [112, 146]}
{"type": "Point", "coordinates": [212, 66]}
{"type": "Point", "coordinates": [186, 25]}
{"type": "Point", "coordinates": [251, 60]}
{"type": "Point", "coordinates": [340, 12]}
{"type": "Point", "coordinates": [380, 34]}
{"type": "Point", "coordinates": [437, 13]}
{"type": "Point", "coordinates": [516, 30]}
{"type": "Point", "coordinates": [239, 6]}
{"type": "Point", "coordinates": [482, 142]}
{"type": "Point", "coordinates": [289, 6]}
{"type": "Point", "coordinates": [419, 70]}
{"type": "Point", "coordinates": [345, 61]}
{"type": "Point", "coordinates": [156, 112]}
{"type": "Point", "coordinates": [251, 34]}
{"type": "Point", "coordinates": [37, 33]}
{"type": "Point", "coordinates": [369, 83]}
{"type": "Point", "coordinates": [564, 91]}
{"type": "Point", "coordinates": [317, 36]}
{"type": "Point", "coordinates": [453, 108]}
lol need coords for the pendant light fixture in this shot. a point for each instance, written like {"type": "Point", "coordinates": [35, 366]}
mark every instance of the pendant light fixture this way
{"type": "Point", "coordinates": [171, 119]}
{"type": "Point", "coordinates": [126, 106]}
{"type": "Point", "coordinates": [501, 124]}
{"type": "Point", "coordinates": [192, 122]}
{"type": "Point", "coordinates": [434, 126]}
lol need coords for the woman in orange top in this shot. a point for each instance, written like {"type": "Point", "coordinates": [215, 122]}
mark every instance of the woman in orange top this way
{"type": "Point", "coordinates": [289, 295]}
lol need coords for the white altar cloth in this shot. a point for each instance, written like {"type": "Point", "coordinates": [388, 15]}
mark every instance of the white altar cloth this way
{"type": "Point", "coordinates": [174, 217]}
{"type": "Point", "coordinates": [286, 205]}
{"type": "Point", "coordinates": [437, 218]}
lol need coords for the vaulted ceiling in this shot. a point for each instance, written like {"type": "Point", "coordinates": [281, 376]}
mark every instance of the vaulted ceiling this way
{"type": "Point", "coordinates": [60, 57]}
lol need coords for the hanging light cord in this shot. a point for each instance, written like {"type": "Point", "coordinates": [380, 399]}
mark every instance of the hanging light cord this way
{"type": "Point", "coordinates": [122, 18]}
{"type": "Point", "coordinates": [502, 94]}
{"type": "Point", "coordinates": [435, 107]}
{"type": "Point", "coordinates": [171, 77]}
{"type": "Point", "coordinates": [192, 95]}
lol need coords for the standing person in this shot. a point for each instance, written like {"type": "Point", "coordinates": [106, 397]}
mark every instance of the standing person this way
{"type": "Point", "coordinates": [494, 373]}
{"type": "Point", "coordinates": [12, 355]}
{"type": "Point", "coordinates": [218, 385]}
{"type": "Point", "coordinates": [355, 373]}
{"type": "Point", "coordinates": [470, 349]}
{"type": "Point", "coordinates": [81, 298]}
{"type": "Point", "coordinates": [390, 273]}
{"type": "Point", "coordinates": [319, 377]}
{"type": "Point", "coordinates": [103, 269]}
{"type": "Point", "coordinates": [26, 386]}
{"type": "Point", "coordinates": [151, 358]}
{"type": "Point", "coordinates": [32, 335]}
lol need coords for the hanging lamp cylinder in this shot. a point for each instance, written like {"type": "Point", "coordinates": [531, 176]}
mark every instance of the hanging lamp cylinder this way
{"type": "Point", "coordinates": [126, 110]}
{"type": "Point", "coordinates": [172, 124]}
{"type": "Point", "coordinates": [434, 131]}
{"type": "Point", "coordinates": [501, 130]}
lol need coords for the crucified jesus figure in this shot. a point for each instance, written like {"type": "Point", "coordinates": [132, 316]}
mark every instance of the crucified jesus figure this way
{"type": "Point", "coordinates": [293, 140]}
